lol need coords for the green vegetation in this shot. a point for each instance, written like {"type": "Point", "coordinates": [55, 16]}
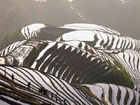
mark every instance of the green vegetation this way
{"type": "Point", "coordinates": [117, 76]}
{"type": "Point", "coordinates": [86, 89]}
{"type": "Point", "coordinates": [10, 38]}
{"type": "Point", "coordinates": [124, 74]}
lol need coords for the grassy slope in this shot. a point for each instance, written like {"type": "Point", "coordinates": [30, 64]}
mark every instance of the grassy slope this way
{"type": "Point", "coordinates": [10, 38]}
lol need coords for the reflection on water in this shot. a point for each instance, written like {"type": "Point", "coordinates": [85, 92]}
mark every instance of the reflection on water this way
{"type": "Point", "coordinates": [71, 0]}
{"type": "Point", "coordinates": [40, 0]}
{"type": "Point", "coordinates": [124, 1]}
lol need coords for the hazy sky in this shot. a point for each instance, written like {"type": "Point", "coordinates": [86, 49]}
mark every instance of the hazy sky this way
{"type": "Point", "coordinates": [120, 15]}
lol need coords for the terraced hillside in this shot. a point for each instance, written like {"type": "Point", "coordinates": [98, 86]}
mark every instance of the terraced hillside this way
{"type": "Point", "coordinates": [74, 64]}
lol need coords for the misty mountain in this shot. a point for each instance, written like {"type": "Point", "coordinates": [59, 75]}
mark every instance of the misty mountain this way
{"type": "Point", "coordinates": [23, 12]}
